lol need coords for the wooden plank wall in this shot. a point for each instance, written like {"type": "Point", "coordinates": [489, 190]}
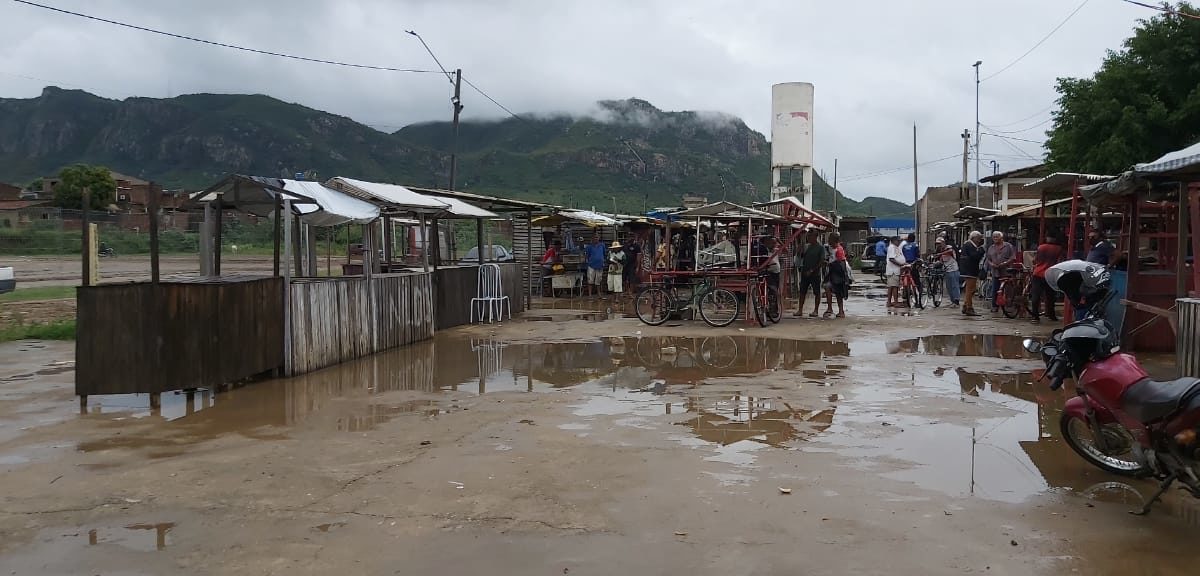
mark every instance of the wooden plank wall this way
{"type": "Point", "coordinates": [147, 338]}
{"type": "Point", "coordinates": [531, 275]}
{"type": "Point", "coordinates": [335, 320]}
{"type": "Point", "coordinates": [455, 286]}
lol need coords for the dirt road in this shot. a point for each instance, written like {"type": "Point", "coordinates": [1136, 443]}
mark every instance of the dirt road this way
{"type": "Point", "coordinates": [577, 442]}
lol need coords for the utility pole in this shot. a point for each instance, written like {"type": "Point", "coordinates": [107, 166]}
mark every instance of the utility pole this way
{"type": "Point", "coordinates": [457, 101]}
{"type": "Point", "coordinates": [915, 208]}
{"type": "Point", "coordinates": [835, 190]}
{"type": "Point", "coordinates": [978, 137]}
{"type": "Point", "coordinates": [963, 191]}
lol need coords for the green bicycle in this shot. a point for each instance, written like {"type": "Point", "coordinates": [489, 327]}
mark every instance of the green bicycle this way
{"type": "Point", "coordinates": [656, 304]}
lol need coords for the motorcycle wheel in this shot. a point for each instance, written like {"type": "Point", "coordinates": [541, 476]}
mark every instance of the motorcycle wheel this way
{"type": "Point", "coordinates": [1079, 436]}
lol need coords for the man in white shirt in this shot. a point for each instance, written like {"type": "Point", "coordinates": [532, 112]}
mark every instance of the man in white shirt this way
{"type": "Point", "coordinates": [895, 262]}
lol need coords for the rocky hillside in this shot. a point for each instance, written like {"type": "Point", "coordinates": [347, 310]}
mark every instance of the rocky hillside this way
{"type": "Point", "coordinates": [626, 150]}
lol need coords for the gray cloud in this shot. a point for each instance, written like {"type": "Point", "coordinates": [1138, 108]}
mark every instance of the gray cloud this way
{"type": "Point", "coordinates": [879, 66]}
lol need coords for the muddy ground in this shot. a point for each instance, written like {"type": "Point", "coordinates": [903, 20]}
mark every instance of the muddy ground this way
{"type": "Point", "coordinates": [576, 441]}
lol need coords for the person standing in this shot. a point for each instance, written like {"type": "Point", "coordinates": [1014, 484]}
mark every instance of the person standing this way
{"type": "Point", "coordinates": [1049, 253]}
{"type": "Point", "coordinates": [972, 257]}
{"type": "Point", "coordinates": [616, 269]}
{"type": "Point", "coordinates": [881, 248]}
{"type": "Point", "coordinates": [812, 261]}
{"type": "Point", "coordinates": [949, 260]}
{"type": "Point", "coordinates": [895, 263]}
{"type": "Point", "coordinates": [912, 254]}
{"type": "Point", "coordinates": [1102, 250]}
{"type": "Point", "coordinates": [633, 255]}
{"type": "Point", "coordinates": [1000, 255]}
{"type": "Point", "coordinates": [597, 260]}
{"type": "Point", "coordinates": [839, 277]}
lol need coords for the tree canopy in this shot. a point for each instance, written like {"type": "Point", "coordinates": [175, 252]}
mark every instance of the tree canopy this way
{"type": "Point", "coordinates": [73, 179]}
{"type": "Point", "coordinates": [1142, 103]}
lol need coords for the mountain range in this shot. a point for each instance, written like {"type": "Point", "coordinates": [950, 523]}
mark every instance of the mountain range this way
{"type": "Point", "coordinates": [627, 153]}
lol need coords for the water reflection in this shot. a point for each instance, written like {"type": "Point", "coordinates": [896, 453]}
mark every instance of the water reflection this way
{"type": "Point", "coordinates": [987, 345]}
{"type": "Point", "coordinates": [774, 422]}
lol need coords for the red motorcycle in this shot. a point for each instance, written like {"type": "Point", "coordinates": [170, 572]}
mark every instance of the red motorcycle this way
{"type": "Point", "coordinates": [1122, 421]}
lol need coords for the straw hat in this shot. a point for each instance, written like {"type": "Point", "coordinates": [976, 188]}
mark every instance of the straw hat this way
{"type": "Point", "coordinates": [616, 244]}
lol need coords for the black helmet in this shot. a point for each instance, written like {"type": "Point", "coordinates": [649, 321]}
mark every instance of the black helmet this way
{"type": "Point", "coordinates": [1078, 280]}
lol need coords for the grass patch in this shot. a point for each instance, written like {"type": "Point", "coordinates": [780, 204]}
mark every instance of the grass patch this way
{"type": "Point", "coordinates": [39, 293]}
{"type": "Point", "coordinates": [60, 330]}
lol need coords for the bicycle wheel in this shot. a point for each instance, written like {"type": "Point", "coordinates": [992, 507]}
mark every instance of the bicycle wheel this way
{"type": "Point", "coordinates": [1011, 301]}
{"type": "Point", "coordinates": [758, 301]}
{"type": "Point", "coordinates": [653, 305]}
{"type": "Point", "coordinates": [719, 352]}
{"type": "Point", "coordinates": [774, 308]}
{"type": "Point", "coordinates": [935, 291]}
{"type": "Point", "coordinates": [719, 307]}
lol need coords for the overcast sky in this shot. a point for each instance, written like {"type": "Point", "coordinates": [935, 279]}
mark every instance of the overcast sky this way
{"type": "Point", "coordinates": [879, 66]}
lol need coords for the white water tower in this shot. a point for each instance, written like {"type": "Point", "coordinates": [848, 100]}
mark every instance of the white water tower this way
{"type": "Point", "coordinates": [792, 141]}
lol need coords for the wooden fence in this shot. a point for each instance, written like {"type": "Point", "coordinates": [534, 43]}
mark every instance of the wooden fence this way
{"type": "Point", "coordinates": [153, 338]}
{"type": "Point", "coordinates": [1187, 349]}
{"type": "Point", "coordinates": [455, 286]}
{"type": "Point", "coordinates": [335, 320]}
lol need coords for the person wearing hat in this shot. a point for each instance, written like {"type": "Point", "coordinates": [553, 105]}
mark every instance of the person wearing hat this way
{"type": "Point", "coordinates": [949, 259]}
{"type": "Point", "coordinates": [616, 269]}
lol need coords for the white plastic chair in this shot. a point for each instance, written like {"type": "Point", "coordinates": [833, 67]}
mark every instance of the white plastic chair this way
{"type": "Point", "coordinates": [490, 295]}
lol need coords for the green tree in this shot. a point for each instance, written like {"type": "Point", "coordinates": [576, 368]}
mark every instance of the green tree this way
{"type": "Point", "coordinates": [73, 179]}
{"type": "Point", "coordinates": [1142, 103]}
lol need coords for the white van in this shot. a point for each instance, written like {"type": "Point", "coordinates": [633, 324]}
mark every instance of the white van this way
{"type": "Point", "coordinates": [8, 282]}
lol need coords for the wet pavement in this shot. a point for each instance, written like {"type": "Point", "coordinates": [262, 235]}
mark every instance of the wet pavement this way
{"type": "Point", "coordinates": [948, 420]}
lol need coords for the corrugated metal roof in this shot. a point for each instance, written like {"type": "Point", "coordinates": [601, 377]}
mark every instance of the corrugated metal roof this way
{"type": "Point", "coordinates": [1062, 181]}
{"type": "Point", "coordinates": [1018, 210]}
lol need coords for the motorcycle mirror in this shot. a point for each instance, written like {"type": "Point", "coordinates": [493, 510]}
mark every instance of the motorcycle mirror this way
{"type": "Point", "coordinates": [1032, 346]}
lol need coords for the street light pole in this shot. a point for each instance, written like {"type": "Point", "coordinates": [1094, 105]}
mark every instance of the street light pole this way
{"type": "Point", "coordinates": [978, 138]}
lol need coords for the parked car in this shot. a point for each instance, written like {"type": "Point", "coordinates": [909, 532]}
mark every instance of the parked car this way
{"type": "Point", "coordinates": [8, 282]}
{"type": "Point", "coordinates": [868, 255]}
{"type": "Point", "coordinates": [493, 253]}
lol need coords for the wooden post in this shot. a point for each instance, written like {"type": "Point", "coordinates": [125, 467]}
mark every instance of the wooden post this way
{"type": "Point", "coordinates": [1194, 209]}
{"type": "Point", "coordinates": [479, 238]}
{"type": "Point", "coordinates": [206, 239]}
{"type": "Point", "coordinates": [1181, 241]}
{"type": "Point", "coordinates": [1042, 220]}
{"type": "Point", "coordinates": [437, 243]}
{"type": "Point", "coordinates": [297, 247]}
{"type": "Point", "coordinates": [85, 236]}
{"type": "Point", "coordinates": [278, 235]}
{"type": "Point", "coordinates": [424, 244]}
{"type": "Point", "coordinates": [220, 225]}
{"type": "Point", "coordinates": [387, 241]}
{"type": "Point", "coordinates": [155, 192]}
{"type": "Point", "coordinates": [329, 234]}
{"type": "Point", "coordinates": [310, 251]}
{"type": "Point", "coordinates": [287, 285]}
{"type": "Point", "coordinates": [529, 269]}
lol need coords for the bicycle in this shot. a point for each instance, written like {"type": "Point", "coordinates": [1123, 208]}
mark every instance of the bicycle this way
{"type": "Point", "coordinates": [909, 287]}
{"type": "Point", "coordinates": [764, 301]}
{"type": "Point", "coordinates": [717, 306]}
{"type": "Point", "coordinates": [935, 281]}
{"type": "Point", "coordinates": [1013, 294]}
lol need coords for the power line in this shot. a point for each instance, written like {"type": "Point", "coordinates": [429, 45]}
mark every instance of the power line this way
{"type": "Point", "coordinates": [222, 44]}
{"type": "Point", "coordinates": [485, 95]}
{"type": "Point", "coordinates": [1014, 138]}
{"type": "Point", "coordinates": [1018, 150]}
{"type": "Point", "coordinates": [1164, 9]}
{"type": "Point", "coordinates": [1042, 123]}
{"type": "Point", "coordinates": [1039, 42]}
{"type": "Point", "coordinates": [1025, 119]}
{"type": "Point", "coordinates": [898, 169]}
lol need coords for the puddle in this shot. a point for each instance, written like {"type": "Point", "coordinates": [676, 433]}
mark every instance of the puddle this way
{"type": "Point", "coordinates": [955, 430]}
{"type": "Point", "coordinates": [138, 537]}
{"type": "Point", "coordinates": [987, 345]}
